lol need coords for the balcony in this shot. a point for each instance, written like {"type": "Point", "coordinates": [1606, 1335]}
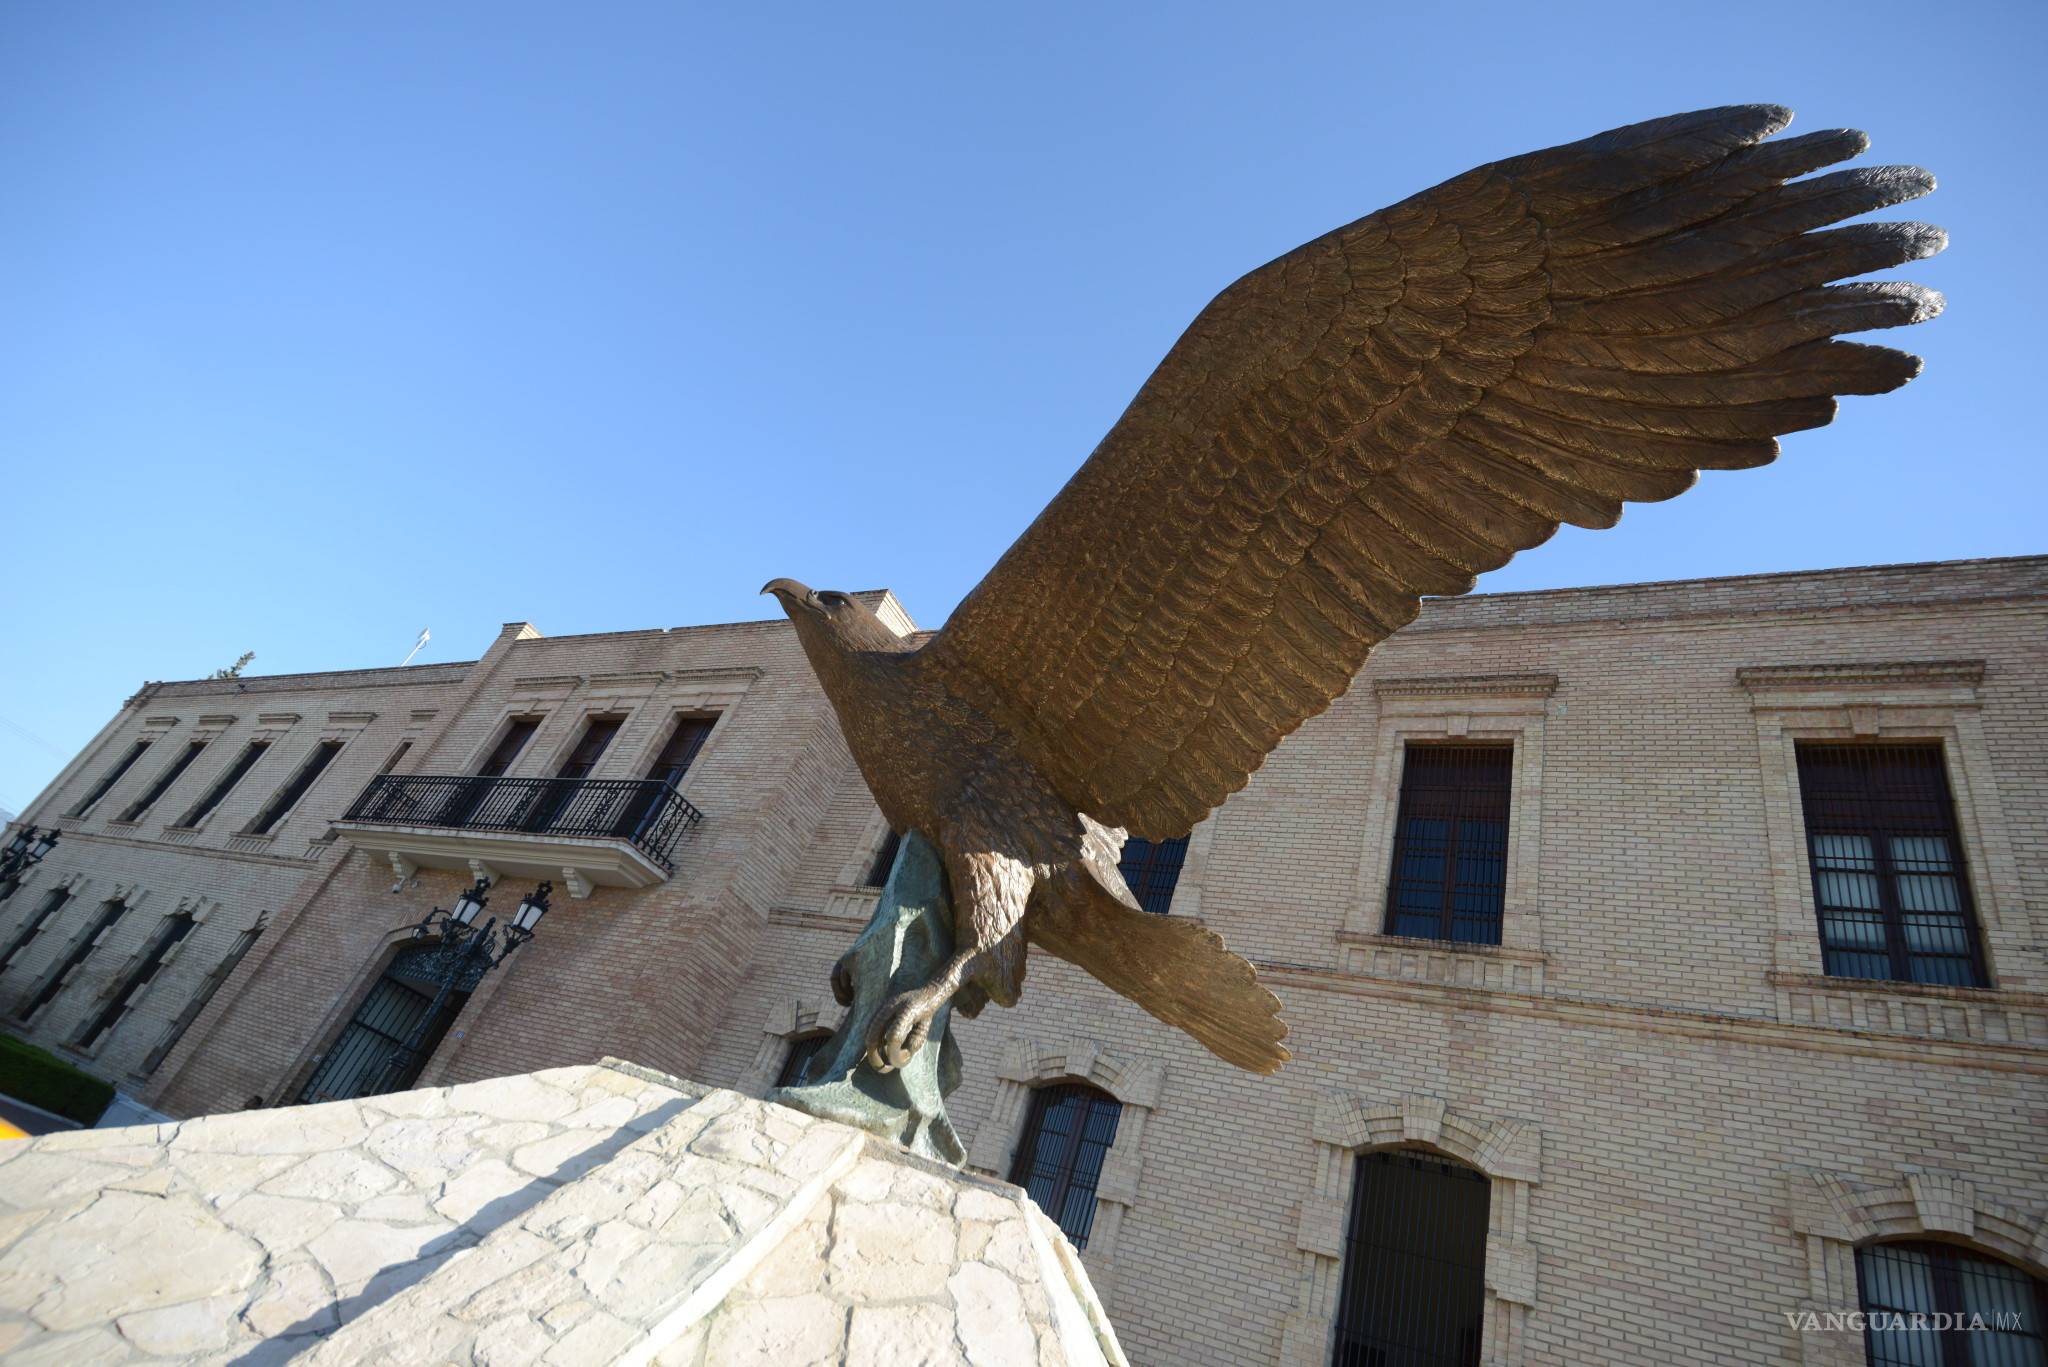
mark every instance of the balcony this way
{"type": "Point", "coordinates": [587, 832]}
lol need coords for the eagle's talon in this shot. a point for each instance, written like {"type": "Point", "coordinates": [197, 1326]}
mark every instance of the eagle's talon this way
{"type": "Point", "coordinates": [902, 1028]}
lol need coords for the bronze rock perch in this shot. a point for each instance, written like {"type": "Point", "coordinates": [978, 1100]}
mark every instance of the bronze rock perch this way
{"type": "Point", "coordinates": [1379, 415]}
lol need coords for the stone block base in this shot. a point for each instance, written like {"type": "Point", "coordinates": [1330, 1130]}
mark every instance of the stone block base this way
{"type": "Point", "coordinates": [578, 1216]}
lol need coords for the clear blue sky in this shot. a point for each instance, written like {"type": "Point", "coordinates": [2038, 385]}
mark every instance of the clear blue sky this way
{"type": "Point", "coordinates": [328, 322]}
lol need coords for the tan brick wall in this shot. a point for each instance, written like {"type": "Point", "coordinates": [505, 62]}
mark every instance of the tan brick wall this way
{"type": "Point", "coordinates": [1646, 1032]}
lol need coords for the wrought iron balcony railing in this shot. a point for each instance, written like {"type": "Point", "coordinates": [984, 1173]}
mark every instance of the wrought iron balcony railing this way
{"type": "Point", "coordinates": [648, 814]}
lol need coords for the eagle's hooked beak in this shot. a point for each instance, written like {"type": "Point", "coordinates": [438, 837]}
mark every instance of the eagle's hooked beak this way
{"type": "Point", "coordinates": [788, 591]}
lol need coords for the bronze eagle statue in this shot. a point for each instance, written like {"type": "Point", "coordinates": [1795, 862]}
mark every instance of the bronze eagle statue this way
{"type": "Point", "coordinates": [1379, 415]}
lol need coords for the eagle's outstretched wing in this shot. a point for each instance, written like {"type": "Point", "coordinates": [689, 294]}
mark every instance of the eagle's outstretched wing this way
{"type": "Point", "coordinates": [1394, 407]}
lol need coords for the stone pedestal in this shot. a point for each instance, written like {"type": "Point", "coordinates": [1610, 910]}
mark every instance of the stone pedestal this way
{"type": "Point", "coordinates": [578, 1216]}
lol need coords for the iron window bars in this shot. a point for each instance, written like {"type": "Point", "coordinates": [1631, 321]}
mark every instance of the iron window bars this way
{"type": "Point", "coordinates": [196, 1003]}
{"type": "Point", "coordinates": [1889, 883]}
{"type": "Point", "coordinates": [287, 798]}
{"type": "Point", "coordinates": [1059, 1161]}
{"type": "Point", "coordinates": [52, 904]}
{"type": "Point", "coordinates": [1414, 1288]}
{"type": "Point", "coordinates": [174, 929]}
{"type": "Point", "coordinates": [225, 784]}
{"type": "Point", "coordinates": [885, 861]}
{"type": "Point", "coordinates": [109, 779]}
{"type": "Point", "coordinates": [171, 774]}
{"type": "Point", "coordinates": [1895, 1282]}
{"type": "Point", "coordinates": [1152, 869]}
{"type": "Point", "coordinates": [801, 1051]}
{"type": "Point", "coordinates": [406, 1006]}
{"type": "Point", "coordinates": [648, 814]}
{"type": "Point", "coordinates": [81, 949]}
{"type": "Point", "coordinates": [1449, 874]}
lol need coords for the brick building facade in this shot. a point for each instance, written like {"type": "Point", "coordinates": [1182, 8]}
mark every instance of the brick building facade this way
{"type": "Point", "coordinates": [1714, 1063]}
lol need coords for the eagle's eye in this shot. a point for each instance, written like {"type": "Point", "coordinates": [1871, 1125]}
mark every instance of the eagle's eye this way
{"type": "Point", "coordinates": [832, 599]}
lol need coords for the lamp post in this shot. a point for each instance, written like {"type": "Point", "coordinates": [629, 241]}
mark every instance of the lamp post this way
{"type": "Point", "coordinates": [23, 853]}
{"type": "Point", "coordinates": [469, 948]}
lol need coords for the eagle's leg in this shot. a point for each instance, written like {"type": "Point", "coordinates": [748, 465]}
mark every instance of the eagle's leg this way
{"type": "Point", "coordinates": [905, 1020]}
{"type": "Point", "coordinates": [989, 895]}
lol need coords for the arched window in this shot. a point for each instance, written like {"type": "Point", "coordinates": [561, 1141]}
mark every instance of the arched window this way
{"type": "Point", "coordinates": [1936, 1305]}
{"type": "Point", "coordinates": [1414, 1291]}
{"type": "Point", "coordinates": [1066, 1137]}
{"type": "Point", "coordinates": [802, 1050]}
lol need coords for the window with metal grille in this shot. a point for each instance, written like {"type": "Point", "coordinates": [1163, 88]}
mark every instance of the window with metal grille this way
{"type": "Point", "coordinates": [802, 1050]}
{"type": "Point", "coordinates": [645, 807]}
{"type": "Point", "coordinates": [548, 802]}
{"type": "Point", "coordinates": [1449, 876]}
{"type": "Point", "coordinates": [172, 772]}
{"type": "Point", "coordinates": [1066, 1136]}
{"type": "Point", "coordinates": [225, 784]}
{"type": "Point", "coordinates": [1152, 868]}
{"type": "Point", "coordinates": [1414, 1289]}
{"type": "Point", "coordinates": [52, 904]}
{"type": "Point", "coordinates": [518, 731]}
{"type": "Point", "coordinates": [288, 796]}
{"type": "Point", "coordinates": [1974, 1311]}
{"type": "Point", "coordinates": [679, 752]}
{"type": "Point", "coordinates": [885, 860]}
{"type": "Point", "coordinates": [175, 928]}
{"type": "Point", "coordinates": [1888, 877]}
{"type": "Point", "coordinates": [464, 799]}
{"type": "Point", "coordinates": [81, 950]}
{"type": "Point", "coordinates": [109, 779]}
{"type": "Point", "coordinates": [175, 1031]}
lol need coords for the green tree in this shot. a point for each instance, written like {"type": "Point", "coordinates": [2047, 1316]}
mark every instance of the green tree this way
{"type": "Point", "coordinates": [234, 671]}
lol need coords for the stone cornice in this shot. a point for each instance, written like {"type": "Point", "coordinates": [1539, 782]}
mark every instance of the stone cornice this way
{"type": "Point", "coordinates": [320, 682]}
{"type": "Point", "coordinates": [530, 682]}
{"type": "Point", "coordinates": [814, 920]}
{"type": "Point", "coordinates": [718, 672]}
{"type": "Point", "coordinates": [1736, 618]}
{"type": "Point", "coordinates": [1467, 685]}
{"type": "Point", "coordinates": [1881, 673]}
{"type": "Point", "coordinates": [629, 677]}
{"type": "Point", "coordinates": [1976, 996]}
{"type": "Point", "coordinates": [198, 851]}
{"type": "Point", "coordinates": [2005, 1057]}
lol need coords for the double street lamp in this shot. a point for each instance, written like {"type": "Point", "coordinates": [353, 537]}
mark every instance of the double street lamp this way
{"type": "Point", "coordinates": [459, 927]}
{"type": "Point", "coordinates": [469, 951]}
{"type": "Point", "coordinates": [23, 853]}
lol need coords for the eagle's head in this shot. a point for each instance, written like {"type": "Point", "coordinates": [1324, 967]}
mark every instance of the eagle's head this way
{"type": "Point", "coordinates": [833, 620]}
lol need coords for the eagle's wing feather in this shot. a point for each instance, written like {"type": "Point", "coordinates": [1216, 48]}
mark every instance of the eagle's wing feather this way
{"type": "Point", "coordinates": [1405, 402]}
{"type": "Point", "coordinates": [1173, 967]}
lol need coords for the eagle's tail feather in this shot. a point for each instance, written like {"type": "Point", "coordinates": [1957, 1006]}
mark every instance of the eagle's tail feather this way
{"type": "Point", "coordinates": [1175, 969]}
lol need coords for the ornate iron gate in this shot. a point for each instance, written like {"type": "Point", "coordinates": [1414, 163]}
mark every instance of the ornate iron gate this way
{"type": "Point", "coordinates": [370, 1055]}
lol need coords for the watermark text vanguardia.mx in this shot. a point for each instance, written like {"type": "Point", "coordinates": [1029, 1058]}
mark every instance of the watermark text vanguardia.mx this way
{"type": "Point", "coordinates": [1883, 1321]}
